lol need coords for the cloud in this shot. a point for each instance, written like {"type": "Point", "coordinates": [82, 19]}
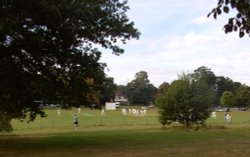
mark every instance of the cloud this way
{"type": "Point", "coordinates": [201, 20]}
{"type": "Point", "coordinates": [177, 37]}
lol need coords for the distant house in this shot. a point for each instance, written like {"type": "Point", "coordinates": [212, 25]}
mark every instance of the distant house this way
{"type": "Point", "coordinates": [121, 100]}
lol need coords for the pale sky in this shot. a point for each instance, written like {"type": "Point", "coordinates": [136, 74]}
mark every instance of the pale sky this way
{"type": "Point", "coordinates": [176, 37]}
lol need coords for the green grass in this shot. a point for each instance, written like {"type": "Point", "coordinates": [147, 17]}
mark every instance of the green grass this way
{"type": "Point", "coordinates": [116, 135]}
{"type": "Point", "coordinates": [138, 142]}
{"type": "Point", "coordinates": [87, 119]}
{"type": "Point", "coordinates": [92, 119]}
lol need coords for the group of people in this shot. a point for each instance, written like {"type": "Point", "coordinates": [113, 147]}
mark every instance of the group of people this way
{"type": "Point", "coordinates": [134, 112]}
{"type": "Point", "coordinates": [227, 117]}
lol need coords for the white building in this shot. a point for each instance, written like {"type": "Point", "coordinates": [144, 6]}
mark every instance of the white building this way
{"type": "Point", "coordinates": [121, 99]}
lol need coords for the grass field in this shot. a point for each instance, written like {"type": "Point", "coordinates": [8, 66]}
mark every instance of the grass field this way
{"type": "Point", "coordinates": [88, 119]}
{"type": "Point", "coordinates": [125, 136]}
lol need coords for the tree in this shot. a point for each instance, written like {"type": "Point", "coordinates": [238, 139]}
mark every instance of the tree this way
{"type": "Point", "coordinates": [161, 91]}
{"type": "Point", "coordinates": [140, 90]}
{"type": "Point", "coordinates": [187, 102]}
{"type": "Point", "coordinates": [49, 51]}
{"type": "Point", "coordinates": [120, 90]}
{"type": "Point", "coordinates": [242, 98]}
{"type": "Point", "coordinates": [225, 84]}
{"type": "Point", "coordinates": [108, 90]}
{"type": "Point", "coordinates": [241, 22]}
{"type": "Point", "coordinates": [227, 99]}
{"type": "Point", "coordinates": [204, 74]}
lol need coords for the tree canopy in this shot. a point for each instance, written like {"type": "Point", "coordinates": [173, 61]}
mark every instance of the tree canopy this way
{"type": "Point", "coordinates": [49, 50]}
{"type": "Point", "coordinates": [240, 22]}
{"type": "Point", "coordinates": [204, 74]}
{"type": "Point", "coordinates": [108, 90]}
{"type": "Point", "coordinates": [140, 90]}
{"type": "Point", "coordinates": [227, 99]}
{"type": "Point", "coordinates": [242, 96]}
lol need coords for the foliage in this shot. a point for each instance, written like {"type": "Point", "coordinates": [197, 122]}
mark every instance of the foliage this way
{"type": "Point", "coordinates": [140, 90]}
{"type": "Point", "coordinates": [243, 96]}
{"type": "Point", "coordinates": [161, 91]}
{"type": "Point", "coordinates": [227, 99]}
{"type": "Point", "coordinates": [49, 51]}
{"type": "Point", "coordinates": [204, 74]}
{"type": "Point", "coordinates": [241, 22]}
{"type": "Point", "coordinates": [5, 125]}
{"type": "Point", "coordinates": [225, 84]}
{"type": "Point", "coordinates": [108, 90]}
{"type": "Point", "coordinates": [120, 90]}
{"type": "Point", "coordinates": [186, 102]}
{"type": "Point", "coordinates": [219, 84]}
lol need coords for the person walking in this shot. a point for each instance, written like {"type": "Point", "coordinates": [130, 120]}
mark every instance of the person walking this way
{"type": "Point", "coordinates": [76, 122]}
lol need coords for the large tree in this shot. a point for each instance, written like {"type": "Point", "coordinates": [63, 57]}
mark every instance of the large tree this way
{"type": "Point", "coordinates": [48, 50]}
{"type": "Point", "coordinates": [241, 21]}
{"type": "Point", "coordinates": [204, 74]}
{"type": "Point", "coordinates": [188, 102]}
{"type": "Point", "coordinates": [140, 91]}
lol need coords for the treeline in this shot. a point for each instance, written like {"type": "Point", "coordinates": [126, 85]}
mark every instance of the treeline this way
{"type": "Point", "coordinates": [226, 92]}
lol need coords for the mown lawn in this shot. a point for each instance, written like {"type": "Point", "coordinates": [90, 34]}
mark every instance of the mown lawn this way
{"type": "Point", "coordinates": [131, 142]}
{"type": "Point", "coordinates": [125, 137]}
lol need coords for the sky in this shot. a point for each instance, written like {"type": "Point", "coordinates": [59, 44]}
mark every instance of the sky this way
{"type": "Point", "coordinates": [177, 37]}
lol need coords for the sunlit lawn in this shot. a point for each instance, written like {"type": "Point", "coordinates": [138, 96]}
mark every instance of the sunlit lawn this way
{"type": "Point", "coordinates": [87, 119]}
